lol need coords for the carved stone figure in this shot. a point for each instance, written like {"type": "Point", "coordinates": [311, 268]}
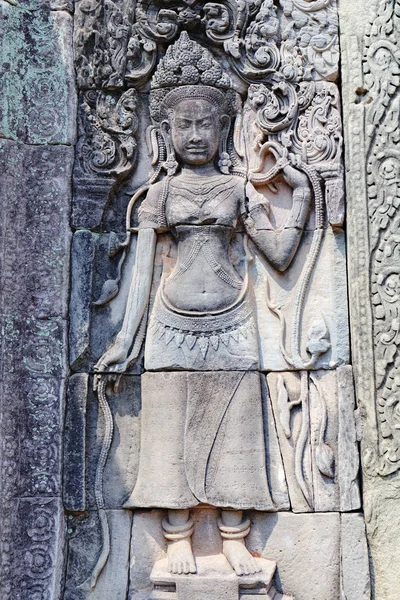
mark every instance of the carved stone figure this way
{"type": "Point", "coordinates": [224, 463]}
{"type": "Point", "coordinates": [202, 443]}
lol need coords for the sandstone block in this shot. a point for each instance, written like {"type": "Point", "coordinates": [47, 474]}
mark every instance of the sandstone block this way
{"type": "Point", "coordinates": [317, 438]}
{"type": "Point", "coordinates": [33, 534]}
{"type": "Point", "coordinates": [355, 572]}
{"type": "Point", "coordinates": [306, 548]}
{"type": "Point", "coordinates": [38, 85]}
{"type": "Point", "coordinates": [325, 307]}
{"type": "Point", "coordinates": [34, 226]}
{"type": "Point", "coordinates": [75, 443]}
{"type": "Point", "coordinates": [122, 463]}
{"type": "Point", "coordinates": [93, 327]}
{"type": "Point", "coordinates": [85, 544]}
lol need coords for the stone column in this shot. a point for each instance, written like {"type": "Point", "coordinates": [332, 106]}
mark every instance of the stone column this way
{"type": "Point", "coordinates": [37, 131]}
{"type": "Point", "coordinates": [370, 70]}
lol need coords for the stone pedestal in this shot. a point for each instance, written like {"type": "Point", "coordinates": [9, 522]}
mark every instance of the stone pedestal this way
{"type": "Point", "coordinates": [214, 579]}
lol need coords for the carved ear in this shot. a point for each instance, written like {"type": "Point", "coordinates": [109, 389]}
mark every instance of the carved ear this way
{"type": "Point", "coordinates": [225, 125]}
{"type": "Point", "coordinates": [165, 129]}
{"type": "Point", "coordinates": [224, 162]}
{"type": "Point", "coordinates": [171, 164]}
{"type": "Point", "coordinates": [152, 142]}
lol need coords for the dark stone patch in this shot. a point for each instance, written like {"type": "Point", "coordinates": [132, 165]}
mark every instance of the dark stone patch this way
{"type": "Point", "coordinates": [34, 226]}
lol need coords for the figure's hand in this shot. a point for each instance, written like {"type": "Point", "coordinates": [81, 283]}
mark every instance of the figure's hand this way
{"type": "Point", "coordinates": [294, 177]}
{"type": "Point", "coordinates": [113, 362]}
{"type": "Point", "coordinates": [255, 198]}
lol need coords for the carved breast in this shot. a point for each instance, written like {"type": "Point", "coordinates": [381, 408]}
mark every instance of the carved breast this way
{"type": "Point", "coordinates": [197, 200]}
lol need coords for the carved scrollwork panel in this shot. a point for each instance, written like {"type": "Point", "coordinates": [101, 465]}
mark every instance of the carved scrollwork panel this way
{"type": "Point", "coordinates": [381, 70]}
{"type": "Point", "coordinates": [107, 149]}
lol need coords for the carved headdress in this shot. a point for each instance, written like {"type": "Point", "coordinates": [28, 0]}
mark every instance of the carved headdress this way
{"type": "Point", "coordinates": [188, 71]}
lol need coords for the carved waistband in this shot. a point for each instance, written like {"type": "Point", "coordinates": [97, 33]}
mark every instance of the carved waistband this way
{"type": "Point", "coordinates": [207, 324]}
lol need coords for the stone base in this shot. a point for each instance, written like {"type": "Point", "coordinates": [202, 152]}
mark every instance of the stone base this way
{"type": "Point", "coordinates": [214, 579]}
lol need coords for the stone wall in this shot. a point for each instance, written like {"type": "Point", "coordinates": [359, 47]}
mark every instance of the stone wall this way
{"type": "Point", "coordinates": [61, 228]}
{"type": "Point", "coordinates": [37, 135]}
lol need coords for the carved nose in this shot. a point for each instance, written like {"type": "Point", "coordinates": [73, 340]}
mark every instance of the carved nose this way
{"type": "Point", "coordinates": [195, 137]}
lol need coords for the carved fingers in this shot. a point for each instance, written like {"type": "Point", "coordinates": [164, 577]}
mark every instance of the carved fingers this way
{"type": "Point", "coordinates": [111, 365]}
{"type": "Point", "coordinates": [112, 378]}
{"type": "Point", "coordinates": [114, 359]}
{"type": "Point", "coordinates": [293, 176]}
{"type": "Point", "coordinates": [255, 198]}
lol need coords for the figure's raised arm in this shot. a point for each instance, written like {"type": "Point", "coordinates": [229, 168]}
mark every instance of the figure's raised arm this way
{"type": "Point", "coordinates": [279, 246]}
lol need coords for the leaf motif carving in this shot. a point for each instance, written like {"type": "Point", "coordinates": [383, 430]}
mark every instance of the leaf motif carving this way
{"type": "Point", "coordinates": [108, 292]}
{"type": "Point", "coordinates": [325, 460]}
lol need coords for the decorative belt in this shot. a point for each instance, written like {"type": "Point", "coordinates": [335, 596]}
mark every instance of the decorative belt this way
{"type": "Point", "coordinates": [206, 324]}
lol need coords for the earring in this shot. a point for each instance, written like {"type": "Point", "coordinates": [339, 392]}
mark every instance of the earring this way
{"type": "Point", "coordinates": [171, 164]}
{"type": "Point", "coordinates": [224, 162]}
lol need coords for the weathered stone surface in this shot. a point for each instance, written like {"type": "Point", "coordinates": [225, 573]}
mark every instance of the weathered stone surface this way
{"type": "Point", "coordinates": [39, 537]}
{"type": "Point", "coordinates": [324, 435]}
{"type": "Point", "coordinates": [82, 256]}
{"type": "Point", "coordinates": [121, 468]}
{"type": "Point", "coordinates": [370, 42]}
{"type": "Point", "coordinates": [381, 507]}
{"type": "Point", "coordinates": [206, 431]}
{"type": "Point", "coordinates": [85, 543]}
{"type": "Point", "coordinates": [203, 440]}
{"type": "Point", "coordinates": [46, 5]}
{"type": "Point", "coordinates": [34, 209]}
{"type": "Point", "coordinates": [305, 547]}
{"type": "Point", "coordinates": [93, 327]}
{"type": "Point", "coordinates": [32, 558]}
{"type": "Point", "coordinates": [325, 306]}
{"type": "Point", "coordinates": [75, 443]}
{"type": "Point", "coordinates": [38, 89]}
{"type": "Point", "coordinates": [275, 469]}
{"type": "Point", "coordinates": [348, 448]}
{"type": "Point", "coordinates": [129, 54]}
{"type": "Point", "coordinates": [300, 481]}
{"type": "Point", "coordinates": [32, 371]}
{"type": "Point", "coordinates": [324, 312]}
{"type": "Point", "coordinates": [147, 547]}
{"type": "Point", "coordinates": [355, 574]}
{"type": "Point", "coordinates": [106, 151]}
{"type": "Point", "coordinates": [317, 438]}
{"type": "Point", "coordinates": [215, 578]}
{"type": "Point", "coordinates": [37, 107]}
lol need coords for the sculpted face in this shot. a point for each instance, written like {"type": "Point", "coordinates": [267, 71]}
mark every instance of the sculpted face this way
{"type": "Point", "coordinates": [195, 128]}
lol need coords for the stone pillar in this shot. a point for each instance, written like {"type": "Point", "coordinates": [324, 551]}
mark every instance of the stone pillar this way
{"type": "Point", "coordinates": [370, 45]}
{"type": "Point", "coordinates": [37, 131]}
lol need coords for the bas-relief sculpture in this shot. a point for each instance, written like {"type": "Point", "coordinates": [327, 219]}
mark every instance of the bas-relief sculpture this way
{"type": "Point", "coordinates": [229, 265]}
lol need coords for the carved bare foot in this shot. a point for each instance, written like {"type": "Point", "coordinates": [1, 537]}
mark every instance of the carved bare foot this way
{"type": "Point", "coordinates": [234, 529]}
{"type": "Point", "coordinates": [239, 557]}
{"type": "Point", "coordinates": [180, 557]}
{"type": "Point", "coordinates": [178, 529]}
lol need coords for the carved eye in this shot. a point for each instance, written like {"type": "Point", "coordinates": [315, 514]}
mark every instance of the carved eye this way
{"type": "Point", "coordinates": [183, 125]}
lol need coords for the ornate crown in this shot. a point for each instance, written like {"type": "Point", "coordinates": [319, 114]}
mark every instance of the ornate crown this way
{"type": "Point", "coordinates": [187, 71]}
